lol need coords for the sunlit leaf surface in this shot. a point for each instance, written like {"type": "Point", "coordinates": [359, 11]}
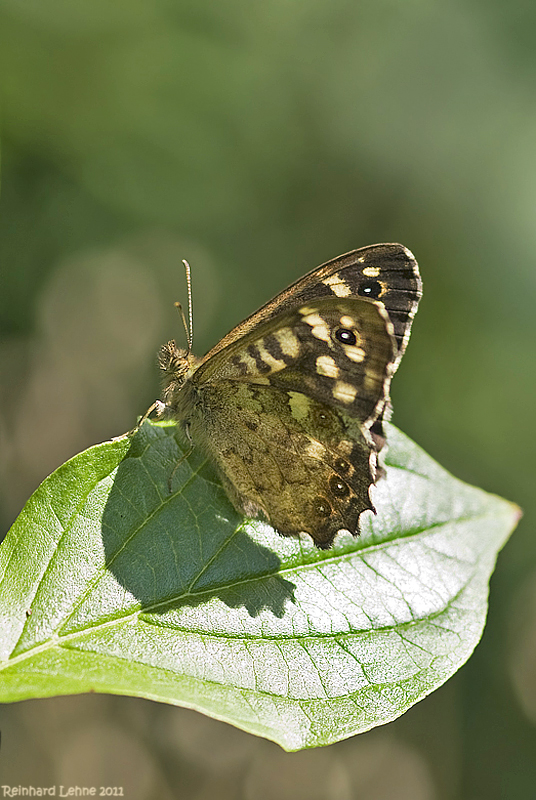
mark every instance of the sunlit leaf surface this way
{"type": "Point", "coordinates": [109, 582]}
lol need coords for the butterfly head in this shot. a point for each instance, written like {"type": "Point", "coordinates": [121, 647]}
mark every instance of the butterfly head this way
{"type": "Point", "coordinates": [177, 366]}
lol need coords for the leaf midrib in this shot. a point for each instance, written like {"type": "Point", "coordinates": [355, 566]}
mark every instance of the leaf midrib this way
{"type": "Point", "coordinates": [61, 641]}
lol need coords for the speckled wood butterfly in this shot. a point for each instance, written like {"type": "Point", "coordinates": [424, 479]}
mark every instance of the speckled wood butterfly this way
{"type": "Point", "coordinates": [289, 405]}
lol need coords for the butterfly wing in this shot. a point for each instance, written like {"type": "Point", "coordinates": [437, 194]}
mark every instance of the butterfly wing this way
{"type": "Point", "coordinates": [287, 458]}
{"type": "Point", "coordinates": [383, 273]}
{"type": "Point", "coordinates": [341, 352]}
{"type": "Point", "coordinates": [284, 413]}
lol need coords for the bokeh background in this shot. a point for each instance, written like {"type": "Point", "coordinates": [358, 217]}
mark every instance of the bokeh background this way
{"type": "Point", "coordinates": [259, 139]}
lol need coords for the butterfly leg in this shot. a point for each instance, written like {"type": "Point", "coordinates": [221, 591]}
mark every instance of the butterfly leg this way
{"type": "Point", "coordinates": [157, 406]}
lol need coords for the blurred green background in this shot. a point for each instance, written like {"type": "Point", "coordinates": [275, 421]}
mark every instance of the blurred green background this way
{"type": "Point", "coordinates": [259, 140]}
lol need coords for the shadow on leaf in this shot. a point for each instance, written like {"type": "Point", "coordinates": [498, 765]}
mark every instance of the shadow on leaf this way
{"type": "Point", "coordinates": [185, 547]}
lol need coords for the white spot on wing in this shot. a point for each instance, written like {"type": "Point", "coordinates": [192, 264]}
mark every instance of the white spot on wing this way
{"type": "Point", "coordinates": [274, 363]}
{"type": "Point", "coordinates": [371, 272]}
{"type": "Point", "coordinates": [337, 285]}
{"type": "Point", "coordinates": [344, 392]}
{"type": "Point", "coordinates": [325, 365]}
{"type": "Point", "coordinates": [355, 354]}
{"type": "Point", "coordinates": [321, 332]}
{"type": "Point", "coordinates": [249, 362]}
{"type": "Point", "coordinates": [315, 450]}
{"type": "Point", "coordinates": [288, 342]}
{"type": "Point", "coordinates": [313, 319]}
{"type": "Point", "coordinates": [319, 327]}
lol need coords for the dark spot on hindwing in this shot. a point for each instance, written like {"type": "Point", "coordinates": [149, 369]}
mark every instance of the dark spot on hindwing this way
{"type": "Point", "coordinates": [341, 465]}
{"type": "Point", "coordinates": [338, 487]}
{"type": "Point", "coordinates": [321, 507]}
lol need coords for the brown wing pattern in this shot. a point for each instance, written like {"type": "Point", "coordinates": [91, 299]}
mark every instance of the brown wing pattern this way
{"type": "Point", "coordinates": [386, 273]}
{"type": "Point", "coordinates": [338, 351]}
{"type": "Point", "coordinates": [303, 466]}
{"type": "Point", "coordinates": [289, 405]}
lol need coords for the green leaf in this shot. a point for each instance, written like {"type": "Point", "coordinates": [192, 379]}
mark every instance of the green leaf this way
{"type": "Point", "coordinates": [109, 582]}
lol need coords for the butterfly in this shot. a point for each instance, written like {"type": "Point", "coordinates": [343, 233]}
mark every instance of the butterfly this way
{"type": "Point", "coordinates": [289, 405]}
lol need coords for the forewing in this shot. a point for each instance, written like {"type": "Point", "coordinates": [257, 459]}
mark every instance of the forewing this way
{"type": "Point", "coordinates": [338, 351]}
{"type": "Point", "coordinates": [386, 273]}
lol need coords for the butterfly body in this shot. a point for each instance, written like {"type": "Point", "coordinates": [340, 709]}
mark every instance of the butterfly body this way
{"type": "Point", "coordinates": [289, 404]}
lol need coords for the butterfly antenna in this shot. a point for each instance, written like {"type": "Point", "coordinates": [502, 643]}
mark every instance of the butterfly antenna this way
{"type": "Point", "coordinates": [188, 325]}
{"type": "Point", "coordinates": [190, 305]}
